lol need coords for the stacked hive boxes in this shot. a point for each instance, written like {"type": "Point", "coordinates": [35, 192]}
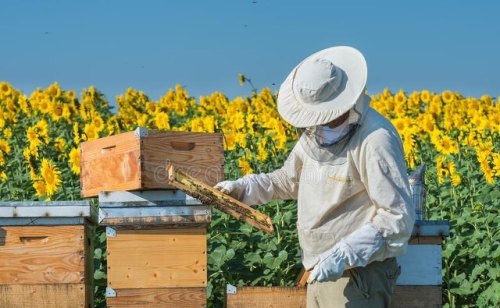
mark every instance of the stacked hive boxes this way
{"type": "Point", "coordinates": [46, 254]}
{"type": "Point", "coordinates": [156, 236]}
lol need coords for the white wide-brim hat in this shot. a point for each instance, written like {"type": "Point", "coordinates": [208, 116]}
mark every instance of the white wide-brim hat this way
{"type": "Point", "coordinates": [323, 87]}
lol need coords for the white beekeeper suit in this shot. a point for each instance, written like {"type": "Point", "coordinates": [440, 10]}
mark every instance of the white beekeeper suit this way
{"type": "Point", "coordinates": [349, 180]}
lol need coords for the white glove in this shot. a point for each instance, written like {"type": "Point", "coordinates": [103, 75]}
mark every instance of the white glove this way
{"type": "Point", "coordinates": [251, 189]}
{"type": "Point", "coordinates": [233, 188]}
{"type": "Point", "coordinates": [354, 250]}
{"type": "Point", "coordinates": [330, 267]}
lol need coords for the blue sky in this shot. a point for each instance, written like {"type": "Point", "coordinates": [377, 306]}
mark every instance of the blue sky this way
{"type": "Point", "coordinates": [204, 45]}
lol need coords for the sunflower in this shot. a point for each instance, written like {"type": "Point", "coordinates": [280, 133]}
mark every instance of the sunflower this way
{"type": "Point", "coordinates": [456, 179]}
{"type": "Point", "coordinates": [76, 133]}
{"type": "Point", "coordinates": [51, 176]}
{"type": "Point", "coordinates": [238, 121]}
{"type": "Point", "coordinates": [487, 99]}
{"type": "Point", "coordinates": [60, 144]}
{"type": "Point", "coordinates": [441, 169]}
{"type": "Point", "coordinates": [229, 141]}
{"type": "Point", "coordinates": [496, 163]}
{"type": "Point", "coordinates": [448, 97]}
{"type": "Point", "coordinates": [74, 160]}
{"type": "Point", "coordinates": [32, 135]}
{"type": "Point", "coordinates": [488, 174]}
{"type": "Point", "coordinates": [486, 147]}
{"type": "Point", "coordinates": [400, 98]}
{"type": "Point", "coordinates": [53, 90]}
{"type": "Point", "coordinates": [435, 106]}
{"type": "Point", "coordinates": [409, 147]}
{"type": "Point", "coordinates": [40, 188]}
{"type": "Point", "coordinates": [7, 133]}
{"type": "Point", "coordinates": [66, 112]}
{"type": "Point", "coordinates": [447, 145]}
{"type": "Point", "coordinates": [399, 124]}
{"type": "Point", "coordinates": [245, 166]}
{"type": "Point", "coordinates": [112, 126]}
{"type": "Point", "coordinates": [44, 105]}
{"type": "Point", "coordinates": [71, 95]}
{"type": "Point", "coordinates": [56, 110]}
{"type": "Point", "coordinates": [495, 121]}
{"type": "Point", "coordinates": [42, 128]}
{"type": "Point", "coordinates": [5, 89]}
{"type": "Point", "coordinates": [98, 122]}
{"type": "Point", "coordinates": [4, 146]}
{"type": "Point", "coordinates": [205, 104]}
{"type": "Point", "coordinates": [425, 96]}
{"type": "Point", "coordinates": [209, 124]}
{"type": "Point", "coordinates": [151, 107]}
{"type": "Point", "coordinates": [197, 125]}
{"type": "Point", "coordinates": [22, 101]}
{"type": "Point", "coordinates": [241, 139]}
{"type": "Point", "coordinates": [262, 153]}
{"type": "Point", "coordinates": [458, 122]}
{"type": "Point", "coordinates": [427, 123]}
{"type": "Point", "coordinates": [90, 131]}
{"type": "Point", "coordinates": [161, 120]}
{"type": "Point", "coordinates": [27, 154]}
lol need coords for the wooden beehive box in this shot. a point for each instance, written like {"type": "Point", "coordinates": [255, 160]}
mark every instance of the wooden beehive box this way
{"type": "Point", "coordinates": [46, 254]}
{"type": "Point", "coordinates": [156, 248]}
{"type": "Point", "coordinates": [418, 286]}
{"type": "Point", "coordinates": [136, 160]}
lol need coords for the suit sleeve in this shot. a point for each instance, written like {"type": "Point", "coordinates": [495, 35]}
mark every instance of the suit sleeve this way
{"type": "Point", "coordinates": [282, 183]}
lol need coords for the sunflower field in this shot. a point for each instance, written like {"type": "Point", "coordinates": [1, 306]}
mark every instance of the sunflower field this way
{"type": "Point", "coordinates": [456, 137]}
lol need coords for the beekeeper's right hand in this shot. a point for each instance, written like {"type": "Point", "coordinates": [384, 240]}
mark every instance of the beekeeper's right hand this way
{"type": "Point", "coordinates": [235, 189]}
{"type": "Point", "coordinates": [251, 189]}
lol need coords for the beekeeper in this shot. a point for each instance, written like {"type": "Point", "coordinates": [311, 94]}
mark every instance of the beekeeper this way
{"type": "Point", "coordinates": [348, 175]}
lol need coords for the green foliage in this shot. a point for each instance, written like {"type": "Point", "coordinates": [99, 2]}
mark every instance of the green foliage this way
{"type": "Point", "coordinates": [100, 261]}
{"type": "Point", "coordinates": [471, 254]}
{"type": "Point", "coordinates": [240, 255]}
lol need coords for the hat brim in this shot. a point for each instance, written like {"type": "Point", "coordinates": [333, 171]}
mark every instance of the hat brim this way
{"type": "Point", "coordinates": [300, 114]}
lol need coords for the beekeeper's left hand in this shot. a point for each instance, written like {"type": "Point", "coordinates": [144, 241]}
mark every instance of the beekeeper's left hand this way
{"type": "Point", "coordinates": [354, 250]}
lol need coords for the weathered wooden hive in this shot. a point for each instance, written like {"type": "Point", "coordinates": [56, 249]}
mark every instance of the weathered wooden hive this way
{"type": "Point", "coordinates": [46, 254]}
{"type": "Point", "coordinates": [136, 160]}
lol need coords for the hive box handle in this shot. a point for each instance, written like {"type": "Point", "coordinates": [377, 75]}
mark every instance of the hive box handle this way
{"type": "Point", "coordinates": [108, 149]}
{"type": "Point", "coordinates": [33, 239]}
{"type": "Point", "coordinates": [182, 146]}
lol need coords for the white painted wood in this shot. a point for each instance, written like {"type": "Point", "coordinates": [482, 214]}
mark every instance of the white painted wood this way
{"type": "Point", "coordinates": [431, 228]}
{"type": "Point", "coordinates": [47, 209]}
{"type": "Point", "coordinates": [42, 221]}
{"type": "Point", "coordinates": [201, 210]}
{"type": "Point", "coordinates": [146, 198]}
{"type": "Point", "coordinates": [421, 266]}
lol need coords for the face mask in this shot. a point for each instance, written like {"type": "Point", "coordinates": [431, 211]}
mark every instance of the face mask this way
{"type": "Point", "coordinates": [326, 136]}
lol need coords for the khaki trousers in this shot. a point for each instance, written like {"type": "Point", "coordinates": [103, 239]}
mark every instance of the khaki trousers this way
{"type": "Point", "coordinates": [367, 287]}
